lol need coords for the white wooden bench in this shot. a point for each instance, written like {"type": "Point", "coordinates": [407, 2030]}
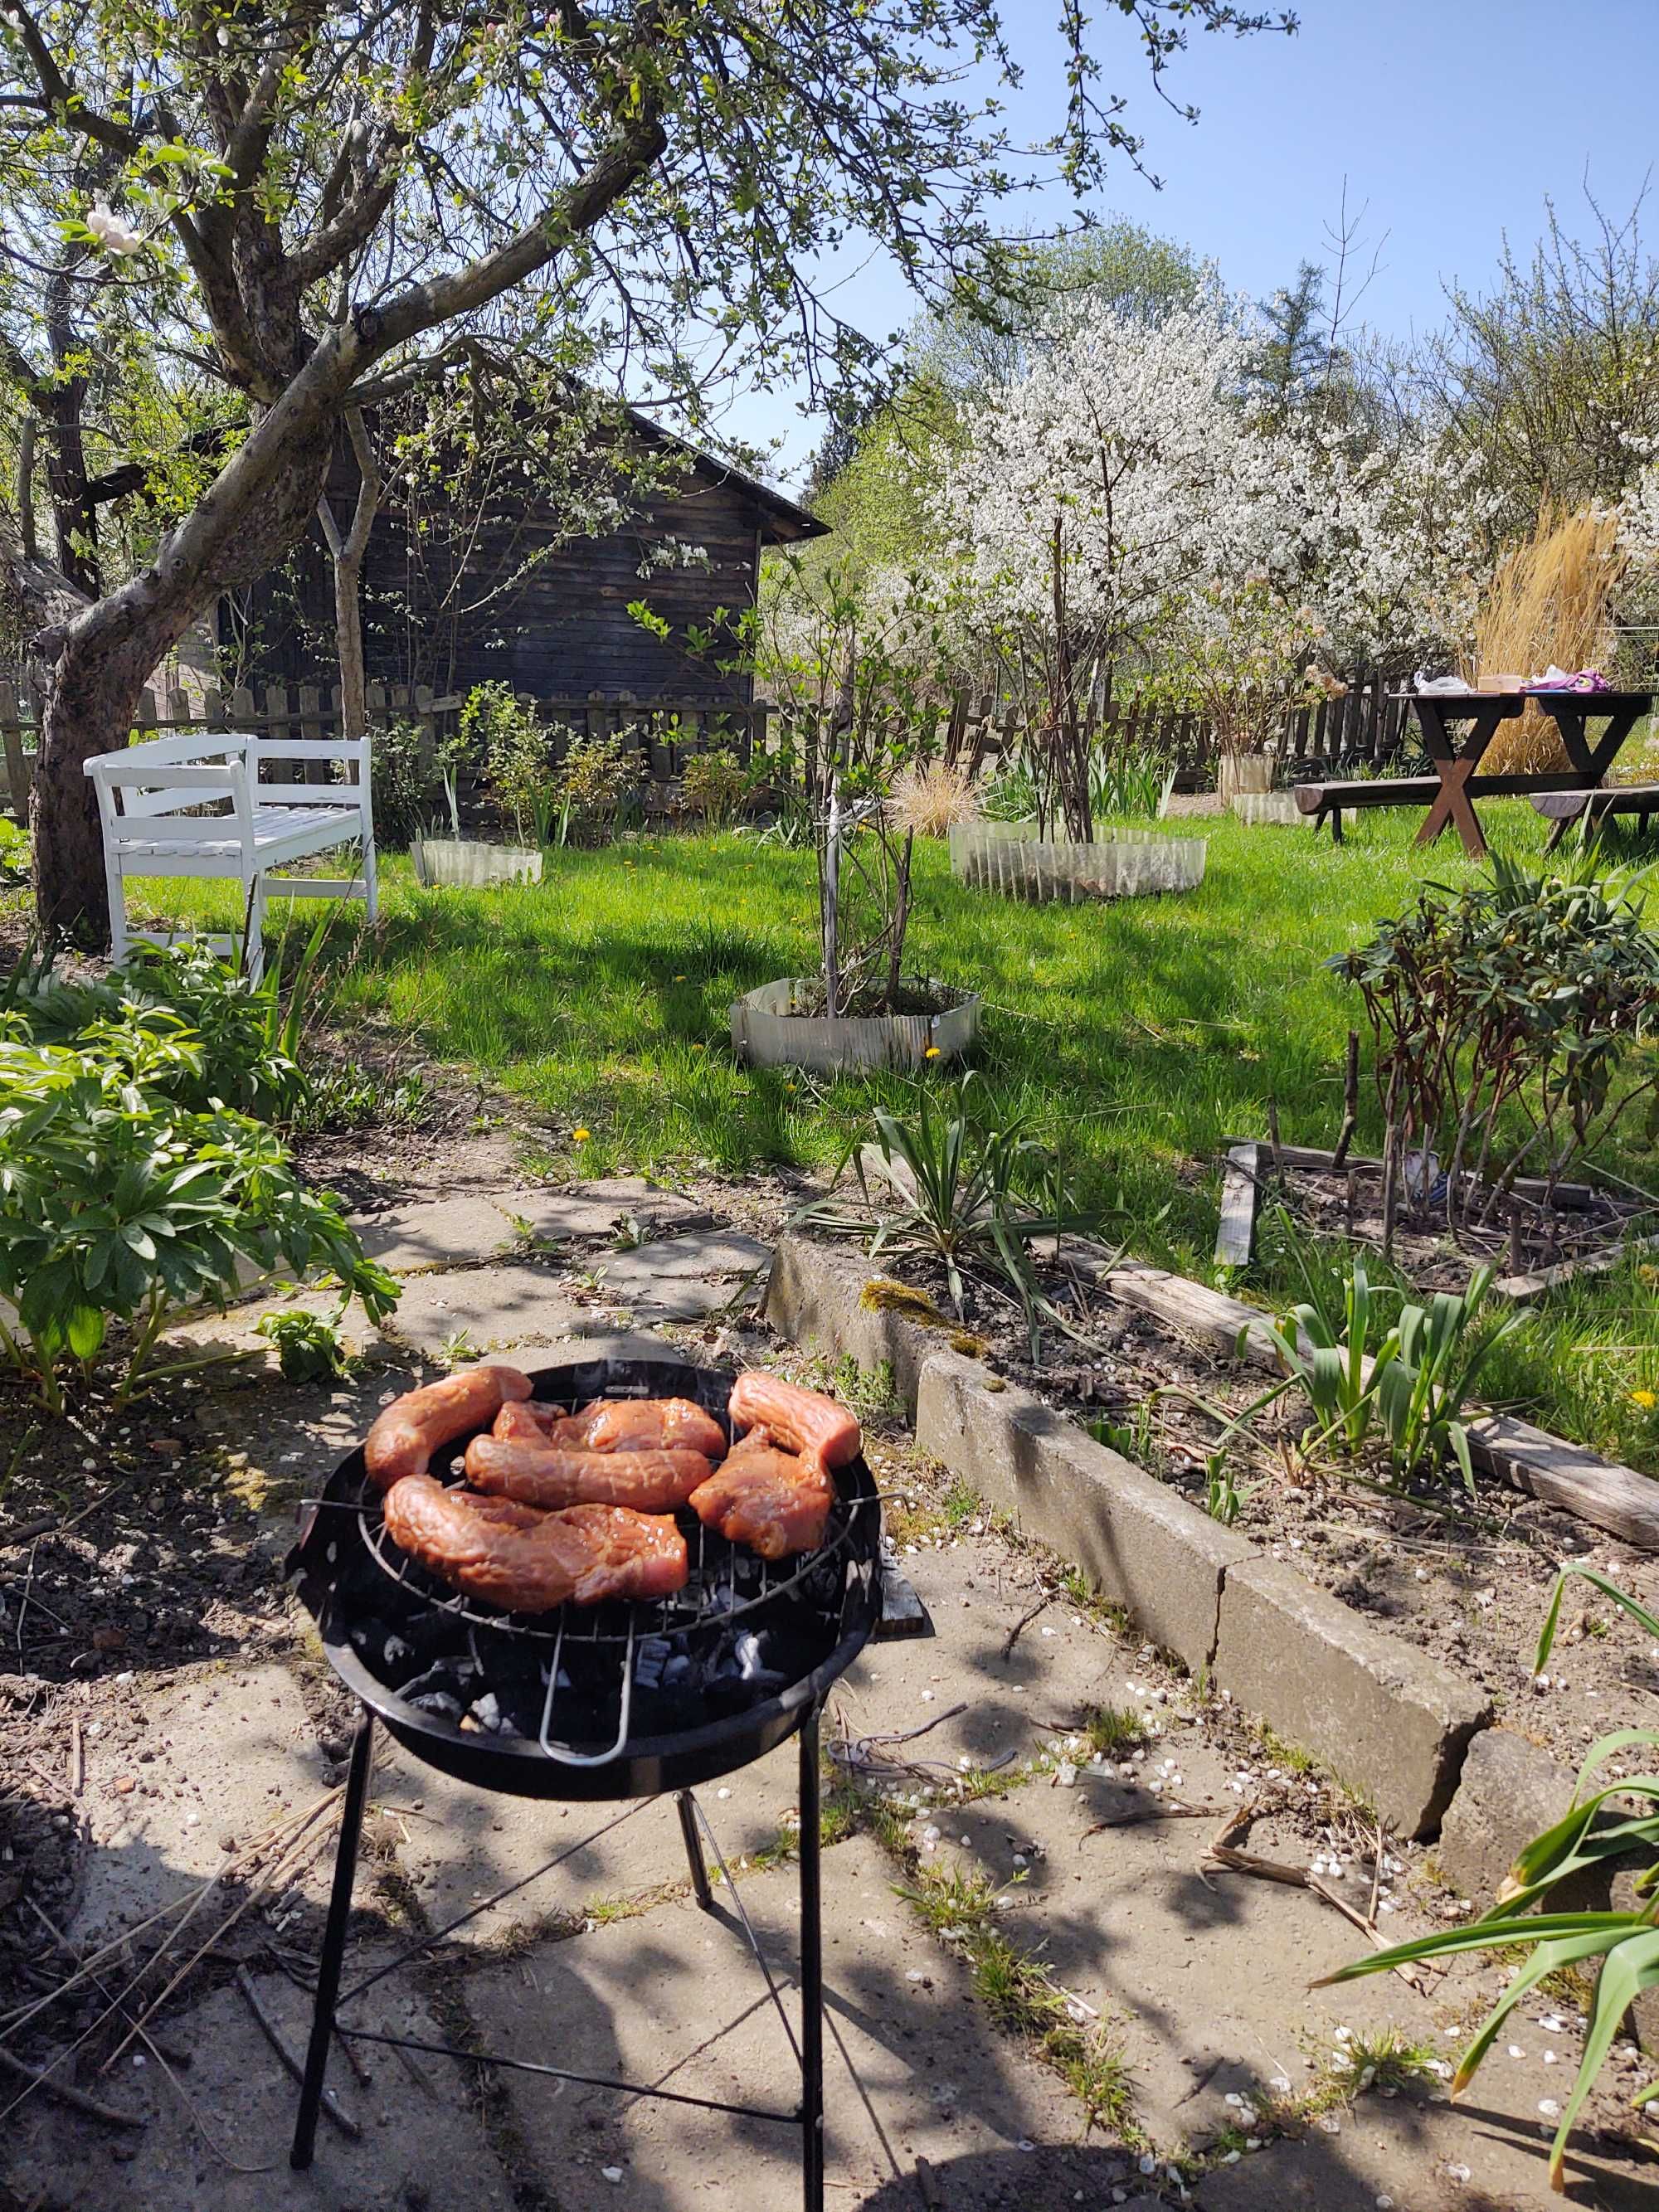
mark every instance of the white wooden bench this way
{"type": "Point", "coordinates": [198, 805]}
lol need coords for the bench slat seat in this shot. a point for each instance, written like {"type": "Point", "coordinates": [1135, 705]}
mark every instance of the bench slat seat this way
{"type": "Point", "coordinates": [198, 805]}
{"type": "Point", "coordinates": [1326, 801]}
{"type": "Point", "coordinates": [1563, 808]}
{"type": "Point", "coordinates": [279, 833]}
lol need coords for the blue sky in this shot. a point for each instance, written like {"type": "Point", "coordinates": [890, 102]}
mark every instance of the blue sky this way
{"type": "Point", "coordinates": [1453, 119]}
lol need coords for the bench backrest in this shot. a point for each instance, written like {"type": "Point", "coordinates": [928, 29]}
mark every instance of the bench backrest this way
{"type": "Point", "coordinates": [349, 756]}
{"type": "Point", "coordinates": [221, 770]}
{"type": "Point", "coordinates": [174, 776]}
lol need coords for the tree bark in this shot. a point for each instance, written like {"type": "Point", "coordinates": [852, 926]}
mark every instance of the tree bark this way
{"type": "Point", "coordinates": [347, 553]}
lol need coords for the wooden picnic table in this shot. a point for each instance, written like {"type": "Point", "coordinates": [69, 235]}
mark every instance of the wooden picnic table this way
{"type": "Point", "coordinates": [1456, 764]}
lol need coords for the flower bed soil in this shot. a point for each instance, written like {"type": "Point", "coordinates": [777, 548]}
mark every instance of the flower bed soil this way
{"type": "Point", "coordinates": [1464, 1580]}
{"type": "Point", "coordinates": [1522, 1238]}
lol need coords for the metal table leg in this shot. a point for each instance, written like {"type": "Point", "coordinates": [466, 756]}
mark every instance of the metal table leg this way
{"type": "Point", "coordinates": [332, 1956]}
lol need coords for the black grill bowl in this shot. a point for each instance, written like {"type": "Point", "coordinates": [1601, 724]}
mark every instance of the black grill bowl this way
{"type": "Point", "coordinates": [753, 1649]}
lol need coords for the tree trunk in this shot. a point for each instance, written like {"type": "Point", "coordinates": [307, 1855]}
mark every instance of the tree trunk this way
{"type": "Point", "coordinates": [347, 552]}
{"type": "Point", "coordinates": [89, 699]}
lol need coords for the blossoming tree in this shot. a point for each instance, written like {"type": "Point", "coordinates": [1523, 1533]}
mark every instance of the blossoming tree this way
{"type": "Point", "coordinates": [1127, 486]}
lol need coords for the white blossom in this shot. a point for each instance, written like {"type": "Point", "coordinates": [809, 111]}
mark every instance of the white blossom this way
{"type": "Point", "coordinates": [112, 233]}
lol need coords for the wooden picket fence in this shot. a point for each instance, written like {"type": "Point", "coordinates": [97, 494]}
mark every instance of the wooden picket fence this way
{"type": "Point", "coordinates": [668, 731]}
{"type": "Point", "coordinates": [1362, 729]}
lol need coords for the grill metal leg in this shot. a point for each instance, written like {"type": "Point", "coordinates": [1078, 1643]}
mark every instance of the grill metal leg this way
{"type": "Point", "coordinates": [694, 1858]}
{"type": "Point", "coordinates": [811, 1973]}
{"type": "Point", "coordinates": [333, 1952]}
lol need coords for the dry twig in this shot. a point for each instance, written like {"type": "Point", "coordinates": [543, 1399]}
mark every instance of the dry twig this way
{"type": "Point", "coordinates": [274, 2036]}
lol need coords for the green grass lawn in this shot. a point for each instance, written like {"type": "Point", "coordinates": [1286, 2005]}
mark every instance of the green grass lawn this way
{"type": "Point", "coordinates": [1138, 1034]}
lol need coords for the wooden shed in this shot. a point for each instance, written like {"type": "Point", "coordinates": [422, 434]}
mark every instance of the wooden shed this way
{"type": "Point", "coordinates": [509, 597]}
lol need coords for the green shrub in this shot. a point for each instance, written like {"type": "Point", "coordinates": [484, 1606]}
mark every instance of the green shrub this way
{"type": "Point", "coordinates": [118, 1203]}
{"type": "Point", "coordinates": [713, 784]}
{"type": "Point", "coordinates": [1515, 1001]}
{"type": "Point", "coordinates": [517, 751]}
{"type": "Point", "coordinates": [308, 1346]}
{"type": "Point", "coordinates": [591, 785]}
{"type": "Point", "coordinates": [407, 783]}
{"type": "Point", "coordinates": [14, 856]}
{"type": "Point", "coordinates": [204, 1034]}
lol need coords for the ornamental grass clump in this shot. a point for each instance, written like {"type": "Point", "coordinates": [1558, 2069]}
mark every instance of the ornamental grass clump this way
{"type": "Point", "coordinates": [1549, 605]}
{"type": "Point", "coordinates": [1512, 1023]}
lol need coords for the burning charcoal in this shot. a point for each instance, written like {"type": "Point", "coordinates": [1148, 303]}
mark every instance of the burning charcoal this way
{"type": "Point", "coordinates": [488, 1713]}
{"type": "Point", "coordinates": [651, 1661]}
{"type": "Point", "coordinates": [439, 1705]}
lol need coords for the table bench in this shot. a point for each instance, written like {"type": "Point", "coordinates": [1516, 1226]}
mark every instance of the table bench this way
{"type": "Point", "coordinates": [1326, 801]}
{"type": "Point", "coordinates": [1563, 808]}
{"type": "Point", "coordinates": [197, 806]}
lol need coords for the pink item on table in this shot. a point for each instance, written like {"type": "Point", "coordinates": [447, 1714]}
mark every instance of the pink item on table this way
{"type": "Point", "coordinates": [1558, 679]}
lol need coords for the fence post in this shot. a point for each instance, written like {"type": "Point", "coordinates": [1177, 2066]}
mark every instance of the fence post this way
{"type": "Point", "coordinates": [17, 768]}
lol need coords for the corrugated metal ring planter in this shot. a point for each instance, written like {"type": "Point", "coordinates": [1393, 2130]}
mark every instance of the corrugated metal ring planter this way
{"type": "Point", "coordinates": [1010, 857]}
{"type": "Point", "coordinates": [767, 1031]}
{"type": "Point", "coordinates": [1257, 808]}
{"type": "Point", "coordinates": [465, 862]}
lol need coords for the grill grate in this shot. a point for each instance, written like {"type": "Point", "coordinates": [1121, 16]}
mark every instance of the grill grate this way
{"type": "Point", "coordinates": [609, 1696]}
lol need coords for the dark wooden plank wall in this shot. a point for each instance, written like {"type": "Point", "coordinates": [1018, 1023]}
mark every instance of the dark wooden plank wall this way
{"type": "Point", "coordinates": [562, 628]}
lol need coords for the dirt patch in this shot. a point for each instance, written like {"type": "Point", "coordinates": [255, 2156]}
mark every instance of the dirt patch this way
{"type": "Point", "coordinates": [1466, 1580]}
{"type": "Point", "coordinates": [1520, 1237]}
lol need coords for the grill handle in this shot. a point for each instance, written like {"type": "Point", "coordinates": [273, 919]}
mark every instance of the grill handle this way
{"type": "Point", "coordinates": [562, 1753]}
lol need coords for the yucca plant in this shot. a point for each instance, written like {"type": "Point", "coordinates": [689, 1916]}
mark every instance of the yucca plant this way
{"type": "Point", "coordinates": [957, 1194]}
{"type": "Point", "coordinates": [1587, 1837]}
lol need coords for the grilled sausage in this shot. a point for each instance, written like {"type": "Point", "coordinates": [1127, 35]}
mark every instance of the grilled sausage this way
{"type": "Point", "coordinates": [800, 1421]}
{"type": "Point", "coordinates": [538, 1473]}
{"type": "Point", "coordinates": [527, 1561]}
{"type": "Point", "coordinates": [621, 1425]}
{"type": "Point", "coordinates": [413, 1427]}
{"type": "Point", "coordinates": [774, 1501]}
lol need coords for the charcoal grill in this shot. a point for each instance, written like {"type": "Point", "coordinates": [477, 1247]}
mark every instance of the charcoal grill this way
{"type": "Point", "coordinates": [616, 1702]}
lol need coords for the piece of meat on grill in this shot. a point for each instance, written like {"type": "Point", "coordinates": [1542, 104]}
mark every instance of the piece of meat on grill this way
{"type": "Point", "coordinates": [800, 1421]}
{"type": "Point", "coordinates": [776, 1501]}
{"type": "Point", "coordinates": [539, 1473]}
{"type": "Point", "coordinates": [622, 1425]}
{"type": "Point", "coordinates": [527, 1561]}
{"type": "Point", "coordinates": [413, 1427]}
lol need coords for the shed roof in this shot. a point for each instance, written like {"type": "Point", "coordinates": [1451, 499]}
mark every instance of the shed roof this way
{"type": "Point", "coordinates": [783, 520]}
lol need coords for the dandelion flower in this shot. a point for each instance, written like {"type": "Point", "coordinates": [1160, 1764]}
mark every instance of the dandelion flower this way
{"type": "Point", "coordinates": [931, 1053]}
{"type": "Point", "coordinates": [579, 1136]}
{"type": "Point", "coordinates": [1646, 1399]}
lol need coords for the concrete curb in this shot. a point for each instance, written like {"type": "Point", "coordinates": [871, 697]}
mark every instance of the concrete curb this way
{"type": "Point", "coordinates": [1394, 1724]}
{"type": "Point", "coordinates": [1141, 1544]}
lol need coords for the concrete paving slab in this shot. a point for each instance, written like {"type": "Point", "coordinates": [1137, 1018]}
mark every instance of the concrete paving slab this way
{"type": "Point", "coordinates": [53, 2160]}
{"type": "Point", "coordinates": [682, 1278]}
{"type": "Point", "coordinates": [176, 1769]}
{"type": "Point", "coordinates": [595, 1209]}
{"type": "Point", "coordinates": [1175, 1965]}
{"type": "Point", "coordinates": [462, 1845]}
{"type": "Point", "coordinates": [675, 1999]}
{"type": "Point", "coordinates": [445, 1232]}
{"type": "Point", "coordinates": [512, 1304]}
{"type": "Point", "coordinates": [976, 1592]}
{"type": "Point", "coordinates": [1484, 2155]}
